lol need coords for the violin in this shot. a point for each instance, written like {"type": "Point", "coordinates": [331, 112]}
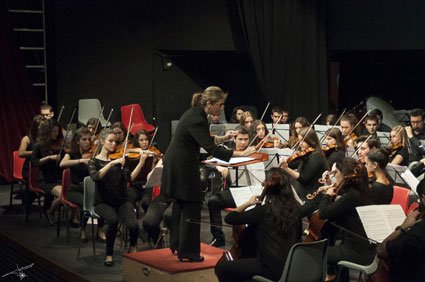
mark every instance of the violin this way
{"type": "Point", "coordinates": [300, 154]}
{"type": "Point", "coordinates": [267, 143]}
{"type": "Point", "coordinates": [397, 146]}
{"type": "Point", "coordinates": [119, 152]}
{"type": "Point", "coordinates": [352, 136]}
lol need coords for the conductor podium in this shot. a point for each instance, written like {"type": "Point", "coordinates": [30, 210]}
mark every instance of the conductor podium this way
{"type": "Point", "coordinates": [162, 265]}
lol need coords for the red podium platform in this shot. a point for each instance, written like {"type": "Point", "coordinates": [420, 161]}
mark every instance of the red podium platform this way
{"type": "Point", "coordinates": [162, 265]}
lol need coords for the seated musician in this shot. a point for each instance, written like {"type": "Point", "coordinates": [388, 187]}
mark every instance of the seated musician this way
{"type": "Point", "coordinates": [276, 113]}
{"type": "Point", "coordinates": [351, 178]}
{"type": "Point", "coordinates": [236, 114]}
{"type": "Point", "coordinates": [46, 154]}
{"type": "Point", "coordinates": [296, 126]}
{"type": "Point", "coordinates": [405, 247]}
{"type": "Point", "coordinates": [91, 126]}
{"type": "Point", "coordinates": [331, 119]}
{"type": "Point", "coordinates": [335, 146]}
{"type": "Point", "coordinates": [259, 130]}
{"type": "Point", "coordinates": [247, 118]}
{"type": "Point", "coordinates": [371, 124]}
{"type": "Point", "coordinates": [416, 133]}
{"type": "Point", "coordinates": [363, 147]}
{"type": "Point", "coordinates": [275, 226]}
{"type": "Point", "coordinates": [78, 160]}
{"type": "Point", "coordinates": [382, 189]}
{"type": "Point", "coordinates": [224, 199]}
{"type": "Point", "coordinates": [380, 116]}
{"type": "Point", "coordinates": [119, 129]}
{"type": "Point", "coordinates": [140, 169]}
{"type": "Point", "coordinates": [46, 111]}
{"type": "Point", "coordinates": [347, 123]}
{"type": "Point", "coordinates": [399, 145]}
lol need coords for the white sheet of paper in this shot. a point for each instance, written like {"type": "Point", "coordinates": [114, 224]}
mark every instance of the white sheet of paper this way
{"type": "Point", "coordinates": [154, 178]}
{"type": "Point", "coordinates": [379, 221]}
{"type": "Point", "coordinates": [241, 195]}
{"type": "Point", "coordinates": [232, 161]}
{"type": "Point", "coordinates": [410, 179]}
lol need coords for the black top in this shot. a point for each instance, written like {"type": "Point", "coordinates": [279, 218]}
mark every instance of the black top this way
{"type": "Point", "coordinates": [406, 253]}
{"type": "Point", "coordinates": [112, 188]}
{"type": "Point", "coordinates": [144, 171]}
{"type": "Point", "coordinates": [272, 247]}
{"type": "Point", "coordinates": [311, 169]}
{"type": "Point", "coordinates": [180, 177]}
{"type": "Point", "coordinates": [50, 172]}
{"type": "Point", "coordinates": [27, 159]}
{"type": "Point", "coordinates": [382, 194]}
{"type": "Point", "coordinates": [402, 152]}
{"type": "Point", "coordinates": [336, 155]}
{"type": "Point", "coordinates": [417, 149]}
{"type": "Point", "coordinates": [343, 213]}
{"type": "Point", "coordinates": [79, 171]}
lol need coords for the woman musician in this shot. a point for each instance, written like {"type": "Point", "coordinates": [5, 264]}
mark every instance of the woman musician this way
{"type": "Point", "coordinates": [399, 145]}
{"type": "Point", "coordinates": [335, 146]}
{"type": "Point", "coordinates": [276, 225]}
{"type": "Point", "coordinates": [258, 128]}
{"type": "Point", "coordinates": [77, 160]}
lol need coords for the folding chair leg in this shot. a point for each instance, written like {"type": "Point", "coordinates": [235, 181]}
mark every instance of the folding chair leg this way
{"type": "Point", "coordinates": [59, 221]}
{"type": "Point", "coordinates": [11, 196]}
{"type": "Point", "coordinates": [81, 232]}
{"type": "Point", "coordinates": [93, 237]}
{"type": "Point", "coordinates": [67, 222]}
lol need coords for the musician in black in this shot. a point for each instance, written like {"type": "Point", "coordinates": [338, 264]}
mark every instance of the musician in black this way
{"type": "Point", "coordinates": [416, 134]}
{"type": "Point", "coordinates": [276, 226]}
{"type": "Point", "coordinates": [382, 189]}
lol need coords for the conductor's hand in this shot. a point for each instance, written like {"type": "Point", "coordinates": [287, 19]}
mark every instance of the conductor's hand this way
{"type": "Point", "coordinates": [249, 151]}
{"type": "Point", "coordinates": [230, 134]}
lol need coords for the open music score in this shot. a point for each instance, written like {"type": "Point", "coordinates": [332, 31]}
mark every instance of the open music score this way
{"type": "Point", "coordinates": [232, 161]}
{"type": "Point", "coordinates": [379, 221]}
{"type": "Point", "coordinates": [241, 195]}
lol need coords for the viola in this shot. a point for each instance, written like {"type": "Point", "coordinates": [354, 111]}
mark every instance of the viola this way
{"type": "Point", "coordinates": [300, 154]}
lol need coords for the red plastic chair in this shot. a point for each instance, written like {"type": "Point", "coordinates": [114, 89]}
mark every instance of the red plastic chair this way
{"type": "Point", "coordinates": [66, 182]}
{"type": "Point", "coordinates": [18, 164]}
{"type": "Point", "coordinates": [413, 207]}
{"type": "Point", "coordinates": [138, 118]}
{"type": "Point", "coordinates": [155, 192]}
{"type": "Point", "coordinates": [401, 197]}
{"type": "Point", "coordinates": [33, 186]}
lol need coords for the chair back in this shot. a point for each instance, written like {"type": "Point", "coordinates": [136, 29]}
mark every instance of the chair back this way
{"type": "Point", "coordinates": [413, 207]}
{"type": "Point", "coordinates": [89, 191]}
{"type": "Point", "coordinates": [302, 255]}
{"type": "Point", "coordinates": [18, 164]}
{"type": "Point", "coordinates": [155, 191]}
{"type": "Point", "coordinates": [88, 108]}
{"type": "Point", "coordinates": [401, 197]}
{"type": "Point", "coordinates": [34, 173]}
{"type": "Point", "coordinates": [138, 118]}
{"type": "Point", "coordinates": [66, 182]}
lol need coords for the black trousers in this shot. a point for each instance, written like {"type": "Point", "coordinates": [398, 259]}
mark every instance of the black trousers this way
{"type": "Point", "coordinates": [138, 193]}
{"type": "Point", "coordinates": [242, 270]}
{"type": "Point", "coordinates": [112, 215]}
{"type": "Point", "coordinates": [76, 196]}
{"type": "Point", "coordinates": [216, 203]}
{"type": "Point", "coordinates": [157, 211]}
{"type": "Point", "coordinates": [185, 236]}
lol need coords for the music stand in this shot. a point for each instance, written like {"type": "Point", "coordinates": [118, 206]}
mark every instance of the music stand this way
{"type": "Point", "coordinates": [383, 137]}
{"type": "Point", "coordinates": [395, 173]}
{"type": "Point", "coordinates": [281, 131]}
{"type": "Point", "coordinates": [321, 130]}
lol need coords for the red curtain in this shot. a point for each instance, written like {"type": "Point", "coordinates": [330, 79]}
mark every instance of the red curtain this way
{"type": "Point", "coordinates": [18, 101]}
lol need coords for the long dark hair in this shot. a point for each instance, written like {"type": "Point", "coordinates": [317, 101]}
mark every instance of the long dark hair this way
{"type": "Point", "coordinates": [381, 156]}
{"type": "Point", "coordinates": [44, 137]}
{"type": "Point", "coordinates": [253, 130]}
{"type": "Point", "coordinates": [337, 135]}
{"type": "Point", "coordinates": [34, 127]}
{"type": "Point", "coordinates": [355, 173]}
{"type": "Point", "coordinates": [80, 132]}
{"type": "Point", "coordinates": [280, 201]}
{"type": "Point", "coordinates": [136, 138]}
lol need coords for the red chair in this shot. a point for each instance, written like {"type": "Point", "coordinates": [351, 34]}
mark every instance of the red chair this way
{"type": "Point", "coordinates": [138, 118]}
{"type": "Point", "coordinates": [413, 207]}
{"type": "Point", "coordinates": [66, 182]}
{"type": "Point", "coordinates": [33, 186]}
{"type": "Point", "coordinates": [401, 197]}
{"type": "Point", "coordinates": [18, 164]}
{"type": "Point", "coordinates": [155, 192]}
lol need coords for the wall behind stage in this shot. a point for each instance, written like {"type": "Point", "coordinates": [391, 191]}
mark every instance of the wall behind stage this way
{"type": "Point", "coordinates": [106, 49]}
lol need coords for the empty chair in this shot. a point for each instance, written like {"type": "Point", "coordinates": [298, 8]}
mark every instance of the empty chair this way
{"type": "Point", "coordinates": [306, 262]}
{"type": "Point", "coordinates": [88, 108]}
{"type": "Point", "coordinates": [138, 118]}
{"type": "Point", "coordinates": [18, 163]}
{"type": "Point", "coordinates": [401, 197]}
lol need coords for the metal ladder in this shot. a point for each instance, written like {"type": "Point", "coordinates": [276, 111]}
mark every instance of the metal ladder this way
{"type": "Point", "coordinates": [29, 26]}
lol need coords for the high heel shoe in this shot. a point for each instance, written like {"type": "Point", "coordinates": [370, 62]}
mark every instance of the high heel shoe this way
{"type": "Point", "coordinates": [101, 240]}
{"type": "Point", "coordinates": [109, 263]}
{"type": "Point", "coordinates": [198, 259]}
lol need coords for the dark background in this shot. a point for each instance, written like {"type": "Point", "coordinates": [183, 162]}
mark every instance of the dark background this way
{"type": "Point", "coordinates": [114, 51]}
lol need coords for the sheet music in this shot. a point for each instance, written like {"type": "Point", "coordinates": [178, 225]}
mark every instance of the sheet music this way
{"type": "Point", "coordinates": [232, 161]}
{"type": "Point", "coordinates": [154, 178]}
{"type": "Point", "coordinates": [379, 221]}
{"type": "Point", "coordinates": [241, 195]}
{"type": "Point", "coordinates": [410, 179]}
{"type": "Point", "coordinates": [321, 130]}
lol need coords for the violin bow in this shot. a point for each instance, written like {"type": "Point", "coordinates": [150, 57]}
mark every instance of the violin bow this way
{"type": "Point", "coordinates": [60, 113]}
{"type": "Point", "coordinates": [98, 142]}
{"type": "Point", "coordinates": [197, 221]}
{"type": "Point", "coordinates": [265, 110]}
{"type": "Point", "coordinates": [361, 144]}
{"type": "Point", "coordinates": [153, 137]}
{"type": "Point", "coordinates": [333, 126]}
{"type": "Point", "coordinates": [129, 127]}
{"type": "Point", "coordinates": [67, 130]}
{"type": "Point", "coordinates": [265, 137]}
{"type": "Point", "coordinates": [397, 132]}
{"type": "Point", "coordinates": [98, 120]}
{"type": "Point", "coordinates": [354, 128]}
{"type": "Point", "coordinates": [308, 130]}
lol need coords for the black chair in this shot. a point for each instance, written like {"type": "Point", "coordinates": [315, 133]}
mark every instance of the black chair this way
{"type": "Point", "coordinates": [306, 262]}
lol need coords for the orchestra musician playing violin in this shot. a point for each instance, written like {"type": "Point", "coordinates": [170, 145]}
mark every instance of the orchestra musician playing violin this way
{"type": "Point", "coordinates": [119, 129]}
{"type": "Point", "coordinates": [140, 167]}
{"type": "Point", "coordinates": [399, 146]}
{"type": "Point", "coordinates": [77, 160]}
{"type": "Point", "coordinates": [363, 147]}
{"type": "Point", "coordinates": [382, 189]}
{"type": "Point", "coordinates": [46, 155]}
{"type": "Point", "coordinates": [299, 123]}
{"type": "Point", "coordinates": [258, 128]}
{"type": "Point", "coordinates": [224, 199]}
{"type": "Point", "coordinates": [247, 118]}
{"type": "Point", "coordinates": [91, 125]}
{"type": "Point", "coordinates": [352, 185]}
{"type": "Point", "coordinates": [371, 126]}
{"type": "Point", "coordinates": [181, 176]}
{"type": "Point", "coordinates": [312, 164]}
{"type": "Point", "coordinates": [276, 226]}
{"type": "Point", "coordinates": [405, 247]}
{"type": "Point", "coordinates": [380, 116]}
{"type": "Point", "coordinates": [347, 124]}
{"type": "Point", "coordinates": [335, 147]}
{"type": "Point", "coordinates": [110, 202]}
{"type": "Point", "coordinates": [276, 113]}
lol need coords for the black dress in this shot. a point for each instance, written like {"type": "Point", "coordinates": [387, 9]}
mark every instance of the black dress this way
{"type": "Point", "coordinates": [311, 169]}
{"type": "Point", "coordinates": [382, 194]}
{"type": "Point", "coordinates": [272, 247]}
{"type": "Point", "coordinates": [402, 152]}
{"type": "Point", "coordinates": [181, 178]}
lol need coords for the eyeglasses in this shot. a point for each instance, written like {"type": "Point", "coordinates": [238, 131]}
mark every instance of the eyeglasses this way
{"type": "Point", "coordinates": [45, 115]}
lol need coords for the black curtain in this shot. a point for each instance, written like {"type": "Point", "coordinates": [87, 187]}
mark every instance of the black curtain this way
{"type": "Point", "coordinates": [286, 40]}
{"type": "Point", "coordinates": [18, 102]}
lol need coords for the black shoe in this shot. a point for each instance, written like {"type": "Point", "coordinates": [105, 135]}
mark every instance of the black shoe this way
{"type": "Point", "coordinates": [73, 224]}
{"type": "Point", "coordinates": [100, 239]}
{"type": "Point", "coordinates": [198, 259]}
{"type": "Point", "coordinates": [173, 250]}
{"type": "Point", "coordinates": [217, 243]}
{"type": "Point", "coordinates": [109, 263]}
